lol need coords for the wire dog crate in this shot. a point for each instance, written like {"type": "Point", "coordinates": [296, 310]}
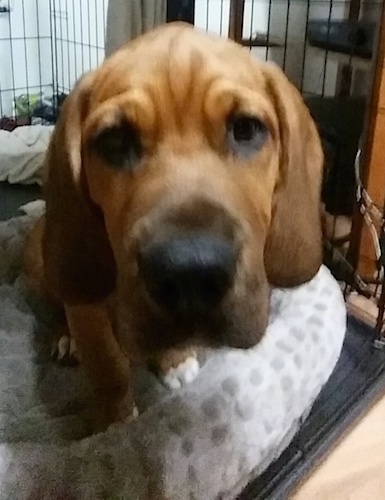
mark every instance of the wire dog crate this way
{"type": "Point", "coordinates": [326, 47]}
{"type": "Point", "coordinates": [45, 46]}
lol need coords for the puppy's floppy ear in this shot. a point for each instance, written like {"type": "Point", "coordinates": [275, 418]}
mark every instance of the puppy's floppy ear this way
{"type": "Point", "coordinates": [79, 264]}
{"type": "Point", "coordinates": [293, 252]}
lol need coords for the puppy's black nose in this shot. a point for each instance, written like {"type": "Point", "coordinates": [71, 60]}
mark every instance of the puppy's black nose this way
{"type": "Point", "coordinates": [189, 275]}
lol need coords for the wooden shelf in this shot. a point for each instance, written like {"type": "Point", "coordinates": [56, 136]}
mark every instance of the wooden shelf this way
{"type": "Point", "coordinates": [341, 58]}
{"type": "Point", "coordinates": [262, 40]}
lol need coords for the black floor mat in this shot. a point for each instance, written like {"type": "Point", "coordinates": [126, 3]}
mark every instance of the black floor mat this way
{"type": "Point", "coordinates": [356, 381]}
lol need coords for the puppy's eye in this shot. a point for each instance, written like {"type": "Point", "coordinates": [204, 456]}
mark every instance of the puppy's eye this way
{"type": "Point", "coordinates": [119, 146]}
{"type": "Point", "coordinates": [246, 135]}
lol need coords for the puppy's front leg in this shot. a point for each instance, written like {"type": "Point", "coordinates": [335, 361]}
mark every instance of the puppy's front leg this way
{"type": "Point", "coordinates": [104, 362]}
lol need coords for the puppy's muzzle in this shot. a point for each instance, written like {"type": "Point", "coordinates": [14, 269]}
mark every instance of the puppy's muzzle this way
{"type": "Point", "coordinates": [188, 276]}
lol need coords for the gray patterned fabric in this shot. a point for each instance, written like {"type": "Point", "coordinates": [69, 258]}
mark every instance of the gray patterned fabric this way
{"type": "Point", "coordinates": [204, 441]}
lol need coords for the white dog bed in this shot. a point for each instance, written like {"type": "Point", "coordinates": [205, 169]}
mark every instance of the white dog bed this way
{"type": "Point", "coordinates": [204, 441]}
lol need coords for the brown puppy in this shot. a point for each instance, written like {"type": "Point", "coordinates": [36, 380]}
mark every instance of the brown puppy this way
{"type": "Point", "coordinates": [183, 178]}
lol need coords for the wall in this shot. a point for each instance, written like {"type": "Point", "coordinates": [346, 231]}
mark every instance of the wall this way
{"type": "Point", "coordinates": [286, 22]}
{"type": "Point", "coordinates": [25, 51]}
{"type": "Point", "coordinates": [80, 27]}
{"type": "Point", "coordinates": [32, 61]}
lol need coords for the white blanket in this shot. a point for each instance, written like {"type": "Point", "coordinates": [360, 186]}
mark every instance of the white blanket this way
{"type": "Point", "coordinates": [204, 441]}
{"type": "Point", "coordinates": [22, 153]}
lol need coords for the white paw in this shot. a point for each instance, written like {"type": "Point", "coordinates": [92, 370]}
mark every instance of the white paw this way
{"type": "Point", "coordinates": [134, 415]}
{"type": "Point", "coordinates": [64, 350]}
{"type": "Point", "coordinates": [183, 374]}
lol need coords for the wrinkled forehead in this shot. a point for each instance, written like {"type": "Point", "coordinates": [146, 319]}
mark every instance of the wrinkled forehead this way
{"type": "Point", "coordinates": [176, 54]}
{"type": "Point", "coordinates": [180, 72]}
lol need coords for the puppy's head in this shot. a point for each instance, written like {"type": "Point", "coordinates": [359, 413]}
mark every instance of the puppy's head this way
{"type": "Point", "coordinates": [185, 174]}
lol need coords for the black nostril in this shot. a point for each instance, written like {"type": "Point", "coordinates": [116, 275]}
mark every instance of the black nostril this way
{"type": "Point", "coordinates": [190, 274]}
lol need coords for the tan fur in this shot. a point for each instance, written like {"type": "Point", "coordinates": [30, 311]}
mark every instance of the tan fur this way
{"type": "Point", "coordinates": [33, 260]}
{"type": "Point", "coordinates": [178, 87]}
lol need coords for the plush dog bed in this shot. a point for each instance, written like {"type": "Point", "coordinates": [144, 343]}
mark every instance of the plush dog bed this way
{"type": "Point", "coordinates": [204, 441]}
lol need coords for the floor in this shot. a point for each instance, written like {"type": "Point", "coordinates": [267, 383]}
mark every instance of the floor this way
{"type": "Point", "coordinates": [355, 469]}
